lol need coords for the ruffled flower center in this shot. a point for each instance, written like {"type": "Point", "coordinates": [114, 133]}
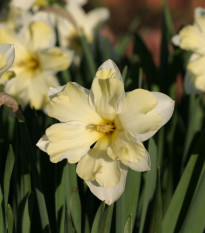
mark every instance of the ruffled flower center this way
{"type": "Point", "coordinates": [31, 63]}
{"type": "Point", "coordinates": [107, 128]}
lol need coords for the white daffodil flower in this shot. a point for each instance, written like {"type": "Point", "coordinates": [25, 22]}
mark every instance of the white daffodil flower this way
{"type": "Point", "coordinates": [81, 23]}
{"type": "Point", "coordinates": [7, 55]}
{"type": "Point", "coordinates": [115, 123]}
{"type": "Point", "coordinates": [192, 38]}
{"type": "Point", "coordinates": [36, 63]}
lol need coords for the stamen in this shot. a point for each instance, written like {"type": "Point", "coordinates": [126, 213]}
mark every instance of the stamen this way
{"type": "Point", "coordinates": [106, 128]}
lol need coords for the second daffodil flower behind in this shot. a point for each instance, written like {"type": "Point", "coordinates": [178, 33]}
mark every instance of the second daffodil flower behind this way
{"type": "Point", "coordinates": [115, 123]}
{"type": "Point", "coordinates": [36, 63]}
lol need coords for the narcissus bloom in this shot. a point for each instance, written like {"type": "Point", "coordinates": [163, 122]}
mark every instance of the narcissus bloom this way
{"type": "Point", "coordinates": [7, 55]}
{"type": "Point", "coordinates": [36, 63]}
{"type": "Point", "coordinates": [113, 122]}
{"type": "Point", "coordinates": [192, 38]}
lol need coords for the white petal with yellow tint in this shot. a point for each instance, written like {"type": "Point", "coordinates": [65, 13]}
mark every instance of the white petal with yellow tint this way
{"type": "Point", "coordinates": [39, 35]}
{"type": "Point", "coordinates": [38, 89]}
{"type": "Point", "coordinates": [96, 165]}
{"type": "Point", "coordinates": [72, 104]}
{"type": "Point", "coordinates": [70, 140]}
{"type": "Point", "coordinates": [139, 115]}
{"type": "Point", "coordinates": [107, 97]}
{"type": "Point", "coordinates": [165, 109]}
{"type": "Point", "coordinates": [110, 194]}
{"type": "Point", "coordinates": [191, 38]}
{"type": "Point", "coordinates": [55, 59]}
{"type": "Point", "coordinates": [96, 16]}
{"type": "Point", "coordinates": [129, 151]}
{"type": "Point", "coordinates": [108, 70]}
{"type": "Point", "coordinates": [8, 36]}
{"type": "Point", "coordinates": [7, 55]}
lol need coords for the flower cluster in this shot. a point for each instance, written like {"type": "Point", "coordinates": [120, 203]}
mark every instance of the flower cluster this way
{"type": "Point", "coordinates": [103, 129]}
{"type": "Point", "coordinates": [192, 38]}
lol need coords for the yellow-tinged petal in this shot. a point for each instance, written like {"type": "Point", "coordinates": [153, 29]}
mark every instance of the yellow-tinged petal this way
{"type": "Point", "coordinates": [139, 114]}
{"type": "Point", "coordinates": [54, 59]}
{"type": "Point", "coordinates": [108, 70]}
{"type": "Point", "coordinates": [96, 165]}
{"type": "Point", "coordinates": [70, 140]}
{"type": "Point", "coordinates": [191, 38]}
{"type": "Point", "coordinates": [72, 104]}
{"type": "Point", "coordinates": [7, 36]}
{"type": "Point", "coordinates": [3, 61]}
{"type": "Point", "coordinates": [107, 97]}
{"type": "Point", "coordinates": [129, 151]}
{"type": "Point", "coordinates": [109, 194]}
{"type": "Point", "coordinates": [39, 36]}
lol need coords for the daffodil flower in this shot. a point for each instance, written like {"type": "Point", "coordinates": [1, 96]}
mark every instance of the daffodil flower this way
{"type": "Point", "coordinates": [36, 63]}
{"type": "Point", "coordinates": [192, 38]}
{"type": "Point", "coordinates": [85, 23]}
{"type": "Point", "coordinates": [103, 129]}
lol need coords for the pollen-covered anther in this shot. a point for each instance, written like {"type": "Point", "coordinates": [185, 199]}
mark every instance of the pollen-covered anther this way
{"type": "Point", "coordinates": [107, 128]}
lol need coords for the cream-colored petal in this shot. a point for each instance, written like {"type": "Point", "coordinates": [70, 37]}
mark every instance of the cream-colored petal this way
{"type": "Point", "coordinates": [96, 16]}
{"type": "Point", "coordinates": [107, 97]}
{"type": "Point", "coordinates": [22, 4]}
{"type": "Point", "coordinates": [192, 39]}
{"type": "Point", "coordinates": [139, 113]}
{"type": "Point", "coordinates": [38, 89]}
{"type": "Point", "coordinates": [200, 23]}
{"type": "Point", "coordinates": [108, 70]}
{"type": "Point", "coordinates": [96, 165]}
{"type": "Point", "coordinates": [196, 67]}
{"type": "Point", "coordinates": [55, 59]}
{"type": "Point", "coordinates": [8, 36]}
{"type": "Point", "coordinates": [43, 143]}
{"type": "Point", "coordinates": [129, 151]}
{"type": "Point", "coordinates": [72, 104]}
{"type": "Point", "coordinates": [7, 55]}
{"type": "Point", "coordinates": [110, 194]}
{"type": "Point", "coordinates": [39, 35]}
{"type": "Point", "coordinates": [199, 11]}
{"type": "Point", "coordinates": [70, 140]}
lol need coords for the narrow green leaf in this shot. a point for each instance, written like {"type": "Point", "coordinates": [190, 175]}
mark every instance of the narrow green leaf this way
{"type": "Point", "coordinates": [156, 220]}
{"type": "Point", "coordinates": [73, 204]}
{"type": "Point", "coordinates": [10, 219]}
{"type": "Point", "coordinates": [122, 45]}
{"type": "Point", "coordinates": [2, 213]}
{"type": "Point", "coordinates": [25, 137]}
{"type": "Point", "coordinates": [150, 182]}
{"type": "Point", "coordinates": [128, 225]}
{"type": "Point", "coordinates": [88, 55]}
{"type": "Point", "coordinates": [96, 227]}
{"type": "Point", "coordinates": [107, 219]}
{"type": "Point", "coordinates": [173, 211]}
{"type": "Point", "coordinates": [26, 218]}
{"type": "Point", "coordinates": [127, 203]}
{"type": "Point", "coordinates": [194, 221]}
{"type": "Point", "coordinates": [7, 175]}
{"type": "Point", "coordinates": [124, 73]}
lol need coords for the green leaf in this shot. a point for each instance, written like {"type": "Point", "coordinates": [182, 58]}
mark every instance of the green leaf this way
{"type": "Point", "coordinates": [173, 211]}
{"type": "Point", "coordinates": [156, 220]}
{"type": "Point", "coordinates": [7, 175]}
{"type": "Point", "coordinates": [122, 45]}
{"type": "Point", "coordinates": [88, 55]}
{"type": "Point", "coordinates": [29, 152]}
{"type": "Point", "coordinates": [107, 219]}
{"type": "Point", "coordinates": [10, 219]}
{"type": "Point", "coordinates": [194, 221]}
{"type": "Point", "coordinates": [2, 213]}
{"type": "Point", "coordinates": [96, 227]}
{"type": "Point", "coordinates": [26, 218]}
{"type": "Point", "coordinates": [128, 225]}
{"type": "Point", "coordinates": [127, 203]}
{"type": "Point", "coordinates": [150, 182]}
